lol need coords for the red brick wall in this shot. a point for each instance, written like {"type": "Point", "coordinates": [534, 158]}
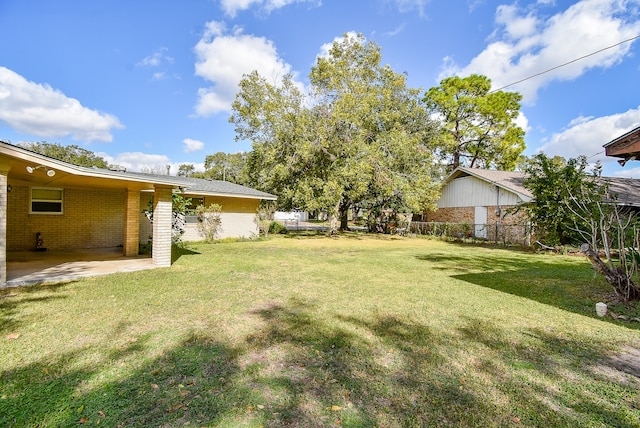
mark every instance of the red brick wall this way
{"type": "Point", "coordinates": [511, 227]}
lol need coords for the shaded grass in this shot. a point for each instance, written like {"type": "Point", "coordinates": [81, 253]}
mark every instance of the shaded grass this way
{"type": "Point", "coordinates": [355, 331]}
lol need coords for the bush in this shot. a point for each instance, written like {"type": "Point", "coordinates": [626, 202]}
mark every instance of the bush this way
{"type": "Point", "coordinates": [209, 221]}
{"type": "Point", "coordinates": [275, 227]}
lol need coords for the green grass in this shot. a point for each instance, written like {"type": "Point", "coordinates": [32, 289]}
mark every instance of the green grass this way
{"type": "Point", "coordinates": [355, 331]}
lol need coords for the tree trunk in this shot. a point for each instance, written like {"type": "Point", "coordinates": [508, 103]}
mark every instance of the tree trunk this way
{"type": "Point", "coordinates": [618, 278]}
{"type": "Point", "coordinates": [344, 218]}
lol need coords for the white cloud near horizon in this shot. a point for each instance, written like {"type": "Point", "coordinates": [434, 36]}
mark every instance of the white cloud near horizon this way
{"type": "Point", "coordinates": [223, 58]}
{"type": "Point", "coordinates": [232, 7]}
{"type": "Point", "coordinates": [586, 136]}
{"type": "Point", "coordinates": [40, 110]}
{"type": "Point", "coordinates": [191, 145]}
{"type": "Point", "coordinates": [526, 42]}
{"type": "Point", "coordinates": [139, 162]}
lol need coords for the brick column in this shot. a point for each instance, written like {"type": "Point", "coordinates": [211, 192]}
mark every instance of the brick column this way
{"type": "Point", "coordinates": [3, 226]}
{"type": "Point", "coordinates": [132, 224]}
{"type": "Point", "coordinates": [161, 251]}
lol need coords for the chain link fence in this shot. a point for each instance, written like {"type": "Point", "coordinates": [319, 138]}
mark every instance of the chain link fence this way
{"type": "Point", "coordinates": [498, 233]}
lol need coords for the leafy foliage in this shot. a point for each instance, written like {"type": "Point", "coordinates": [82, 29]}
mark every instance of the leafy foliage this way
{"type": "Point", "coordinates": [71, 154]}
{"type": "Point", "coordinates": [264, 216]}
{"type": "Point", "coordinates": [554, 182]}
{"type": "Point", "coordinates": [572, 206]}
{"type": "Point", "coordinates": [186, 170]}
{"type": "Point", "coordinates": [225, 166]}
{"type": "Point", "coordinates": [478, 125]}
{"type": "Point", "coordinates": [362, 139]}
{"type": "Point", "coordinates": [209, 221]}
{"type": "Point", "coordinates": [179, 208]}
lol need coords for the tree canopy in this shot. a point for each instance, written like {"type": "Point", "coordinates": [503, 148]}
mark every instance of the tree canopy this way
{"type": "Point", "coordinates": [71, 154]}
{"type": "Point", "coordinates": [555, 183]}
{"type": "Point", "coordinates": [361, 138]}
{"type": "Point", "coordinates": [479, 128]}
{"type": "Point", "coordinates": [225, 166]}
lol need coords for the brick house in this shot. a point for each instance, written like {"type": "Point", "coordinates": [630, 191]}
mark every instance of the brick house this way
{"type": "Point", "coordinates": [73, 207]}
{"type": "Point", "coordinates": [482, 199]}
{"type": "Point", "coordinates": [239, 206]}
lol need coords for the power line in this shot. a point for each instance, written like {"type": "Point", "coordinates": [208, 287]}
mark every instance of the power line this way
{"type": "Point", "coordinates": [566, 63]}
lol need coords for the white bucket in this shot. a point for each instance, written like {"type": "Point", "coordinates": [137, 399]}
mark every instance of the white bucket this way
{"type": "Point", "coordinates": [601, 309]}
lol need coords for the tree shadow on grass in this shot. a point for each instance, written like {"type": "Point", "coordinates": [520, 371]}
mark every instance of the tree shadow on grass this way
{"type": "Point", "coordinates": [299, 370]}
{"type": "Point", "coordinates": [557, 381]}
{"type": "Point", "coordinates": [573, 287]}
{"type": "Point", "coordinates": [185, 385]}
{"type": "Point", "coordinates": [11, 300]}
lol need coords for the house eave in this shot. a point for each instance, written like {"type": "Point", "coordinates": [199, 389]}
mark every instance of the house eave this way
{"type": "Point", "coordinates": [462, 170]}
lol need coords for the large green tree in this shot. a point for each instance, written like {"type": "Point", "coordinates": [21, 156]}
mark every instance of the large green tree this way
{"type": "Point", "coordinates": [361, 139]}
{"type": "Point", "coordinates": [71, 154]}
{"type": "Point", "coordinates": [478, 126]}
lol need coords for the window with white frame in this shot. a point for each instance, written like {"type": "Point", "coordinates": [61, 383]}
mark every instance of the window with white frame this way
{"type": "Point", "coordinates": [46, 200]}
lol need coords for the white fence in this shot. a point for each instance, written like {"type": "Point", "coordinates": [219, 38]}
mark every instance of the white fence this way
{"type": "Point", "coordinates": [291, 216]}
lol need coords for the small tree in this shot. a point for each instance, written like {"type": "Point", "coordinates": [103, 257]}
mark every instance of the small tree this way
{"type": "Point", "coordinates": [571, 205]}
{"type": "Point", "coordinates": [611, 230]}
{"type": "Point", "coordinates": [264, 216]}
{"type": "Point", "coordinates": [552, 181]}
{"type": "Point", "coordinates": [209, 221]}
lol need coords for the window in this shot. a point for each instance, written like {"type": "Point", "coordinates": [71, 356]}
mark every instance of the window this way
{"type": "Point", "coordinates": [195, 202]}
{"type": "Point", "coordinates": [46, 201]}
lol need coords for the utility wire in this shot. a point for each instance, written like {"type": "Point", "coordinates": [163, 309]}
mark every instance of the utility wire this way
{"type": "Point", "coordinates": [566, 63]}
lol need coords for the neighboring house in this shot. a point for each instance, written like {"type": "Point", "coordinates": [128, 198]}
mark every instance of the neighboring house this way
{"type": "Point", "coordinates": [482, 199]}
{"type": "Point", "coordinates": [626, 147]}
{"type": "Point", "coordinates": [74, 207]}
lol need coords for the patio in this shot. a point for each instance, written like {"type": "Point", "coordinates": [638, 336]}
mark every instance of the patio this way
{"type": "Point", "coordinates": [31, 267]}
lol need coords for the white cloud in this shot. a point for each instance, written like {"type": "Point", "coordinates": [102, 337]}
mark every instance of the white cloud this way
{"type": "Point", "coordinates": [156, 59]}
{"type": "Point", "coordinates": [522, 122]}
{"type": "Point", "coordinates": [527, 42]}
{"type": "Point", "coordinates": [399, 29]}
{"type": "Point", "coordinates": [411, 5]}
{"type": "Point", "coordinates": [138, 161]}
{"type": "Point", "coordinates": [586, 135]}
{"type": "Point", "coordinates": [232, 7]}
{"type": "Point", "coordinates": [191, 145]}
{"type": "Point", "coordinates": [324, 49]}
{"type": "Point", "coordinates": [38, 109]}
{"type": "Point", "coordinates": [146, 162]}
{"type": "Point", "coordinates": [223, 59]}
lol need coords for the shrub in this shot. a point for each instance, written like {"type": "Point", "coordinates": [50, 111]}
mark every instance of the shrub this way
{"type": "Point", "coordinates": [209, 221]}
{"type": "Point", "coordinates": [275, 227]}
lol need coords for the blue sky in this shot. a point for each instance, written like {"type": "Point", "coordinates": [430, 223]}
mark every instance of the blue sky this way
{"type": "Point", "coordinates": [150, 83]}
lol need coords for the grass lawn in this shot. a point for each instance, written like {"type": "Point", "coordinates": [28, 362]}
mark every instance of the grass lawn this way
{"type": "Point", "coordinates": [354, 331]}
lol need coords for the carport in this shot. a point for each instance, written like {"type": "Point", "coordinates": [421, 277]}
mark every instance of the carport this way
{"type": "Point", "coordinates": [76, 210]}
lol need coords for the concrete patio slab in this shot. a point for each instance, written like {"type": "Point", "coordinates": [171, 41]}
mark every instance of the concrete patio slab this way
{"type": "Point", "coordinates": [31, 267]}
